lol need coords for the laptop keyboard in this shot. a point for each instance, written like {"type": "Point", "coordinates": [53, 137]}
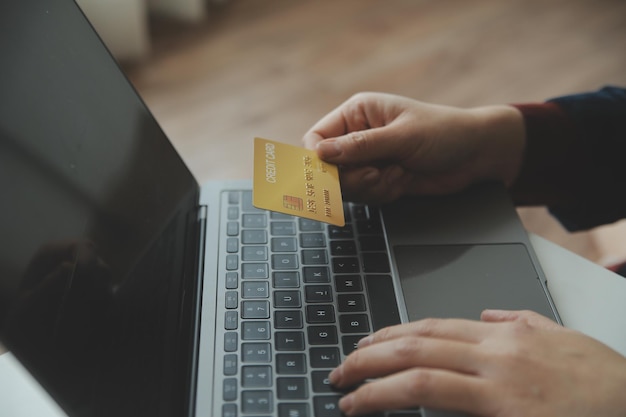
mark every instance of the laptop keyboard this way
{"type": "Point", "coordinates": [297, 300]}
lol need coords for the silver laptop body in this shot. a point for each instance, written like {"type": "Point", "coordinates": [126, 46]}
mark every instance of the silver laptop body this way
{"type": "Point", "coordinates": [127, 289]}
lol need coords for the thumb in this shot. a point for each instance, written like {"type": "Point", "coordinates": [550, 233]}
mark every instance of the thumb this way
{"type": "Point", "coordinates": [361, 147]}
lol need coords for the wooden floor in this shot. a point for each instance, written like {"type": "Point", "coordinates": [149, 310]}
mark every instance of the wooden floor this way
{"type": "Point", "coordinates": [271, 68]}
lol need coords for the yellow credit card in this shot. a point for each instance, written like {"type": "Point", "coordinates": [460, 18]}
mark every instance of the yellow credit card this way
{"type": "Point", "coordinates": [293, 180]}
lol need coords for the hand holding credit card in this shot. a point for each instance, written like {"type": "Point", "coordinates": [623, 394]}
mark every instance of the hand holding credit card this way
{"type": "Point", "coordinates": [293, 180]}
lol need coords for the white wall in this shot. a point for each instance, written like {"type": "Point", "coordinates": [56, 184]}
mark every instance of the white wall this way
{"type": "Point", "coordinates": [123, 24]}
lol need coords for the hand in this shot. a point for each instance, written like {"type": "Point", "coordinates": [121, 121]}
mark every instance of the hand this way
{"type": "Point", "coordinates": [387, 146]}
{"type": "Point", "coordinates": [512, 364]}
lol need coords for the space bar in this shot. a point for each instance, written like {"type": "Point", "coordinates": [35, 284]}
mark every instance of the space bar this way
{"type": "Point", "coordinates": [382, 301]}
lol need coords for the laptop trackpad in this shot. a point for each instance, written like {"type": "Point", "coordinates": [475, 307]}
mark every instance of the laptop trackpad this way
{"type": "Point", "coordinates": [463, 280]}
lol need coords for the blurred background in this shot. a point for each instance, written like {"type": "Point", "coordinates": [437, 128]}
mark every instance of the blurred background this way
{"type": "Point", "coordinates": [218, 73]}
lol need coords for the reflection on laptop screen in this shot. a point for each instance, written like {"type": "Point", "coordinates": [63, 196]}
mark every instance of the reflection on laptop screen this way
{"type": "Point", "coordinates": [94, 221]}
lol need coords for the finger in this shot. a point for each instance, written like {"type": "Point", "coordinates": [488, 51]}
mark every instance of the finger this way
{"type": "Point", "coordinates": [530, 317]}
{"type": "Point", "coordinates": [363, 147]}
{"type": "Point", "coordinates": [431, 388]}
{"type": "Point", "coordinates": [332, 125]}
{"type": "Point", "coordinates": [470, 331]}
{"type": "Point", "coordinates": [386, 358]}
{"type": "Point", "coordinates": [311, 139]}
{"type": "Point", "coordinates": [360, 112]}
{"type": "Point", "coordinates": [374, 185]}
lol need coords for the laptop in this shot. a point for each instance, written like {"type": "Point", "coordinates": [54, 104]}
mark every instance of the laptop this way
{"type": "Point", "coordinates": [128, 289]}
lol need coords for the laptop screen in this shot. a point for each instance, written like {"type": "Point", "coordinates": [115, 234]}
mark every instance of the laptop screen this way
{"type": "Point", "coordinates": [95, 218]}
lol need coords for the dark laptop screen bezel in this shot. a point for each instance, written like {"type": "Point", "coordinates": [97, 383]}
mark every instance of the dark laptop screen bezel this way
{"type": "Point", "coordinates": [98, 221]}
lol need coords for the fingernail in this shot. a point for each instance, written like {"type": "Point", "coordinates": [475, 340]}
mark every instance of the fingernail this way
{"type": "Point", "coordinates": [328, 148]}
{"type": "Point", "coordinates": [335, 375]}
{"type": "Point", "coordinates": [366, 341]}
{"type": "Point", "coordinates": [346, 403]}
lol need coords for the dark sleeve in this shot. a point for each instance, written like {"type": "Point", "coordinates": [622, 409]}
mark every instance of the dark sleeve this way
{"type": "Point", "coordinates": [575, 158]}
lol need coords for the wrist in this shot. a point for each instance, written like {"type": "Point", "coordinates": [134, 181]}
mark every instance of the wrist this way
{"type": "Point", "coordinates": [503, 141]}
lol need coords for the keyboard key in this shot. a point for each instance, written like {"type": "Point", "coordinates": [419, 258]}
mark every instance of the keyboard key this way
{"type": "Point", "coordinates": [350, 303]}
{"type": "Point", "coordinates": [232, 245]}
{"type": "Point", "coordinates": [314, 257]}
{"type": "Point", "coordinates": [233, 197]}
{"type": "Point", "coordinates": [255, 271]}
{"type": "Point", "coordinates": [336, 232]}
{"type": "Point", "coordinates": [254, 221]}
{"type": "Point", "coordinates": [312, 240]}
{"type": "Point", "coordinates": [308, 225]}
{"type": "Point", "coordinates": [369, 227]}
{"type": "Point", "coordinates": [293, 410]}
{"type": "Point", "coordinates": [229, 410]}
{"type": "Point", "coordinates": [283, 228]}
{"type": "Point", "coordinates": [348, 283]}
{"type": "Point", "coordinates": [287, 299]}
{"type": "Point", "coordinates": [345, 265]}
{"type": "Point", "coordinates": [327, 406]}
{"type": "Point", "coordinates": [323, 313]}
{"type": "Point", "coordinates": [350, 343]}
{"type": "Point", "coordinates": [316, 274]}
{"type": "Point", "coordinates": [359, 212]}
{"type": "Point", "coordinates": [233, 213]}
{"type": "Point", "coordinates": [286, 279]}
{"type": "Point", "coordinates": [291, 319]}
{"type": "Point", "coordinates": [256, 376]}
{"type": "Point", "coordinates": [292, 388]}
{"type": "Point", "coordinates": [231, 320]}
{"type": "Point", "coordinates": [232, 280]}
{"type": "Point", "coordinates": [229, 389]}
{"type": "Point", "coordinates": [289, 341]}
{"type": "Point", "coordinates": [230, 365]}
{"type": "Point", "coordinates": [291, 364]}
{"type": "Point", "coordinates": [246, 202]}
{"type": "Point", "coordinates": [284, 261]}
{"type": "Point", "coordinates": [354, 323]}
{"type": "Point", "coordinates": [318, 294]}
{"type": "Point", "coordinates": [254, 253]}
{"type": "Point", "coordinates": [320, 382]}
{"type": "Point", "coordinates": [255, 330]}
{"type": "Point", "coordinates": [253, 237]}
{"type": "Point", "coordinates": [274, 215]}
{"type": "Point", "coordinates": [232, 299]}
{"type": "Point", "coordinates": [284, 244]}
{"type": "Point", "coordinates": [232, 228]}
{"type": "Point", "coordinates": [324, 357]}
{"type": "Point", "coordinates": [322, 335]}
{"type": "Point", "coordinates": [342, 247]}
{"type": "Point", "coordinates": [257, 402]}
{"type": "Point", "coordinates": [232, 262]}
{"type": "Point", "coordinates": [252, 309]}
{"type": "Point", "coordinates": [230, 342]}
{"type": "Point", "coordinates": [255, 289]}
{"type": "Point", "coordinates": [255, 352]}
